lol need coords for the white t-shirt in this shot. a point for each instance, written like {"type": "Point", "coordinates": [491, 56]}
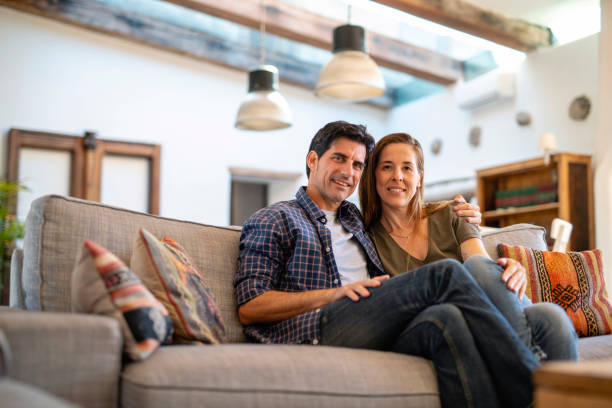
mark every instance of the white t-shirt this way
{"type": "Point", "coordinates": [350, 259]}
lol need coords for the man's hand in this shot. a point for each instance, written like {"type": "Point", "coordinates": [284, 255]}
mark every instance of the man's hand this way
{"type": "Point", "coordinates": [514, 275]}
{"type": "Point", "coordinates": [357, 290]}
{"type": "Point", "coordinates": [471, 211]}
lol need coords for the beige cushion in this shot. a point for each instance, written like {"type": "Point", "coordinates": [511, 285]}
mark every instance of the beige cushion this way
{"type": "Point", "coordinates": [56, 227]}
{"type": "Point", "coordinates": [527, 235]}
{"type": "Point", "coordinates": [595, 348]}
{"type": "Point", "coordinates": [255, 375]}
{"type": "Point", "coordinates": [167, 270]}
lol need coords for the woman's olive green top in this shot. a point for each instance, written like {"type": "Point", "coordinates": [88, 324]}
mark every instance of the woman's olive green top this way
{"type": "Point", "coordinates": [446, 232]}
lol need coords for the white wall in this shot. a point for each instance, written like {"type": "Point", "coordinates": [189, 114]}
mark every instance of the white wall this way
{"type": "Point", "coordinates": [603, 143]}
{"type": "Point", "coordinates": [547, 81]}
{"type": "Point", "coordinates": [59, 78]}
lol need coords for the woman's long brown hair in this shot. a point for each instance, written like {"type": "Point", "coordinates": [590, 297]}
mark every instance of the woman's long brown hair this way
{"type": "Point", "coordinates": [371, 206]}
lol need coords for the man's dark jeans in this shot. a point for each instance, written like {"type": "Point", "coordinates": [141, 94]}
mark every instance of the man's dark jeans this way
{"type": "Point", "coordinates": [439, 312]}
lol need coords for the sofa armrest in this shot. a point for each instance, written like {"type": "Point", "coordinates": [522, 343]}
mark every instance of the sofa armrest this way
{"type": "Point", "coordinates": [73, 356]}
{"type": "Point", "coordinates": [16, 288]}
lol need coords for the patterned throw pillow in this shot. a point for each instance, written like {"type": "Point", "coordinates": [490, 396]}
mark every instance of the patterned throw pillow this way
{"type": "Point", "coordinates": [103, 284]}
{"type": "Point", "coordinates": [573, 280]}
{"type": "Point", "coordinates": [168, 272]}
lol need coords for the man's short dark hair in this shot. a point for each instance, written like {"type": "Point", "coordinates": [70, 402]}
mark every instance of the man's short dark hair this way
{"type": "Point", "coordinates": [333, 130]}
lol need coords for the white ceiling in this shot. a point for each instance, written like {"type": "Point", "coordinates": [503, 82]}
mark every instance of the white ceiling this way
{"type": "Point", "coordinates": [521, 8]}
{"type": "Point", "coordinates": [568, 19]}
{"type": "Point", "coordinates": [544, 12]}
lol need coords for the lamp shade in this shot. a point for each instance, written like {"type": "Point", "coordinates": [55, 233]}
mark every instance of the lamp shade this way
{"type": "Point", "coordinates": [351, 75]}
{"type": "Point", "coordinates": [264, 108]}
{"type": "Point", "coordinates": [548, 141]}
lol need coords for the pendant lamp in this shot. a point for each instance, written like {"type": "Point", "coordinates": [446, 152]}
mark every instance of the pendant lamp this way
{"type": "Point", "coordinates": [351, 75]}
{"type": "Point", "coordinates": [264, 108]}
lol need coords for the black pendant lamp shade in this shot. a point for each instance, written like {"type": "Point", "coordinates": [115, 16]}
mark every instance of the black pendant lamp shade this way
{"type": "Point", "coordinates": [264, 108]}
{"type": "Point", "coordinates": [351, 75]}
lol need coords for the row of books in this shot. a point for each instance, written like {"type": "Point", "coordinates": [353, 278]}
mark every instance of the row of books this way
{"type": "Point", "coordinates": [522, 197]}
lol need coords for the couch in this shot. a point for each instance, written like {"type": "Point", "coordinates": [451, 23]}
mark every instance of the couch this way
{"type": "Point", "coordinates": [78, 357]}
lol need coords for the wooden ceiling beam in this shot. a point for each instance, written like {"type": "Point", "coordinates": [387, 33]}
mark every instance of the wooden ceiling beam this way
{"type": "Point", "coordinates": [106, 19]}
{"type": "Point", "coordinates": [303, 26]}
{"type": "Point", "coordinates": [467, 17]}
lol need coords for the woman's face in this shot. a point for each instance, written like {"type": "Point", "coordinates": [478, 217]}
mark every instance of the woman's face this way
{"type": "Point", "coordinates": [397, 175]}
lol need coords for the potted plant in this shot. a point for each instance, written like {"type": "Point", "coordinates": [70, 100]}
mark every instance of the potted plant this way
{"type": "Point", "coordinates": [11, 230]}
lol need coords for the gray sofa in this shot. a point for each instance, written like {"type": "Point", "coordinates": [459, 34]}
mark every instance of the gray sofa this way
{"type": "Point", "coordinates": [78, 357]}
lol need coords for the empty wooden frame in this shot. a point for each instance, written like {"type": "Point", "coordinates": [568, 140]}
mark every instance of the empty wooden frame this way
{"type": "Point", "coordinates": [86, 155]}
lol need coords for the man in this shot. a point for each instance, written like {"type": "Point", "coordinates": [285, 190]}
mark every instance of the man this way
{"type": "Point", "coordinates": [302, 279]}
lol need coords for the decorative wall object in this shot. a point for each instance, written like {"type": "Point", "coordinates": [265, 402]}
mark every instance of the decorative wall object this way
{"type": "Point", "coordinates": [580, 108]}
{"type": "Point", "coordinates": [475, 136]}
{"type": "Point", "coordinates": [523, 118]}
{"type": "Point", "coordinates": [436, 146]}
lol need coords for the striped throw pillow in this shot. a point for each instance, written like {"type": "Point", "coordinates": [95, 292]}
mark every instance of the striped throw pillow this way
{"type": "Point", "coordinates": [573, 280]}
{"type": "Point", "coordinates": [102, 284]}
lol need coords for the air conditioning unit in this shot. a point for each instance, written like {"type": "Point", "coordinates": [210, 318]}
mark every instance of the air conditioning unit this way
{"type": "Point", "coordinates": [486, 89]}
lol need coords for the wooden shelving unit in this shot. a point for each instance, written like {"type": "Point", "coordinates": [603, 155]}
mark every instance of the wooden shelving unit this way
{"type": "Point", "coordinates": [573, 177]}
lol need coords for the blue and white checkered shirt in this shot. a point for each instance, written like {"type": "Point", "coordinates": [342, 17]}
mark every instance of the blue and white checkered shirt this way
{"type": "Point", "coordinates": [286, 247]}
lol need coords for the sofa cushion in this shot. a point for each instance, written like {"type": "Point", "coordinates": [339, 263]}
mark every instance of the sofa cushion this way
{"type": "Point", "coordinates": [573, 280]}
{"type": "Point", "coordinates": [102, 284]}
{"type": "Point", "coordinates": [527, 235]}
{"type": "Point", "coordinates": [57, 225]}
{"type": "Point", "coordinates": [235, 375]}
{"type": "Point", "coordinates": [167, 270]}
{"type": "Point", "coordinates": [595, 348]}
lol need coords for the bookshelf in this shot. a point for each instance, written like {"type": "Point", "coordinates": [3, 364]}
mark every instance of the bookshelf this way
{"type": "Point", "coordinates": [534, 192]}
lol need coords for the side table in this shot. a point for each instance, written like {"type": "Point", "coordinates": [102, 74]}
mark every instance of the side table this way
{"type": "Point", "coordinates": [574, 384]}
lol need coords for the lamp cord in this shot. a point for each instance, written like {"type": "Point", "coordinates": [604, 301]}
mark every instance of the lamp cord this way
{"type": "Point", "coordinates": [349, 13]}
{"type": "Point", "coordinates": [262, 34]}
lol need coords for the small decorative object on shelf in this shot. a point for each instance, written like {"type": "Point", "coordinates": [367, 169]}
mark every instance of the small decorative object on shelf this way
{"type": "Point", "coordinates": [536, 192]}
{"type": "Point", "coordinates": [548, 143]}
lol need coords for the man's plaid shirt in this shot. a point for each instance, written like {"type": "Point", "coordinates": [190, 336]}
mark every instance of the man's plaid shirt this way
{"type": "Point", "coordinates": [286, 247]}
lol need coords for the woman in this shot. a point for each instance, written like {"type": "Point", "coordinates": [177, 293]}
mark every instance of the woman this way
{"type": "Point", "coordinates": [408, 234]}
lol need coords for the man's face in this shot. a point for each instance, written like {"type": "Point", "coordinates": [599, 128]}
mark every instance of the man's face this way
{"type": "Point", "coordinates": [334, 175]}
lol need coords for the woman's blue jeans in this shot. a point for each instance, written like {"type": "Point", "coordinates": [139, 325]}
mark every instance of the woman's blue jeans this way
{"type": "Point", "coordinates": [541, 326]}
{"type": "Point", "coordinates": [480, 360]}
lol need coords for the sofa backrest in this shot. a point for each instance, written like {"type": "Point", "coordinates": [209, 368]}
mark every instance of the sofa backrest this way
{"type": "Point", "coordinates": [527, 235]}
{"type": "Point", "coordinates": [57, 225]}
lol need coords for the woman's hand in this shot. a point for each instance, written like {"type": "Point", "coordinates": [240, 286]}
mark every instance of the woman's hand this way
{"type": "Point", "coordinates": [514, 275]}
{"type": "Point", "coordinates": [471, 211]}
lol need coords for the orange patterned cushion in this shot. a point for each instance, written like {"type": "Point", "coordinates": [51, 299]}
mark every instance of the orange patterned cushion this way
{"type": "Point", "coordinates": [573, 280]}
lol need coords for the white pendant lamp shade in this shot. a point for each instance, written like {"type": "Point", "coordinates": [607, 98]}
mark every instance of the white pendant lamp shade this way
{"type": "Point", "coordinates": [351, 75]}
{"type": "Point", "coordinates": [264, 108]}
